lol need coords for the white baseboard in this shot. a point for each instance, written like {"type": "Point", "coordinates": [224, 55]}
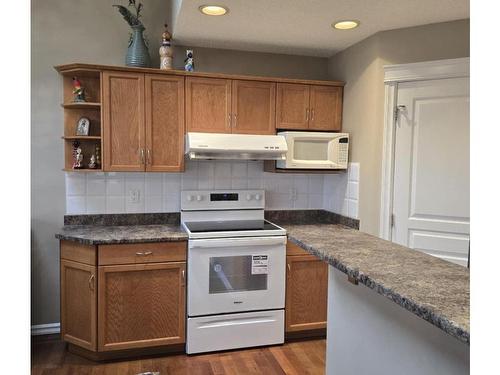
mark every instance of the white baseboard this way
{"type": "Point", "coordinates": [45, 329]}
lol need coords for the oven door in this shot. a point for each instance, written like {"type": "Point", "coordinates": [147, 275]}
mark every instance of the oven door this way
{"type": "Point", "coordinates": [236, 274]}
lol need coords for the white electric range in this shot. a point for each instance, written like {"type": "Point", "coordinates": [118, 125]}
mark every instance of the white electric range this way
{"type": "Point", "coordinates": [236, 271]}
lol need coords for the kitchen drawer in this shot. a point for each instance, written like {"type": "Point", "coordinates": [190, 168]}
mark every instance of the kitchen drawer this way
{"type": "Point", "coordinates": [142, 253]}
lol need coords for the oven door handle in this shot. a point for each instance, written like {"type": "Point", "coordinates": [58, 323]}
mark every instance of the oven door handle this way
{"type": "Point", "coordinates": [237, 242]}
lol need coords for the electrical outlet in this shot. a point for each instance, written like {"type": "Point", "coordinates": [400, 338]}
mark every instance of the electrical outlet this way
{"type": "Point", "coordinates": [134, 195]}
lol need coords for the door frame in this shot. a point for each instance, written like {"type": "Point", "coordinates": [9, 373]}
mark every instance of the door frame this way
{"type": "Point", "coordinates": [393, 76]}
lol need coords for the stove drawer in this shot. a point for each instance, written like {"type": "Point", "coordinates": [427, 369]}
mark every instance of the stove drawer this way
{"type": "Point", "coordinates": [152, 252]}
{"type": "Point", "coordinates": [232, 331]}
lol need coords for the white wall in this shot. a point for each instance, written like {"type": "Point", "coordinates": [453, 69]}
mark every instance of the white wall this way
{"type": "Point", "coordinates": [370, 334]}
{"type": "Point", "coordinates": [97, 193]}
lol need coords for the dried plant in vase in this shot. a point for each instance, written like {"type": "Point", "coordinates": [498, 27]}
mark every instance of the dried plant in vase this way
{"type": "Point", "coordinates": [137, 52]}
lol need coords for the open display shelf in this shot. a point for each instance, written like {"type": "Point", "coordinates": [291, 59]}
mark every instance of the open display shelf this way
{"type": "Point", "coordinates": [74, 111]}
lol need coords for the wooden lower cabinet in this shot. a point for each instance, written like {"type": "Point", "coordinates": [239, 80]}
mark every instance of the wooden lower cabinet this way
{"type": "Point", "coordinates": [306, 292]}
{"type": "Point", "coordinates": [114, 307]}
{"type": "Point", "coordinates": [78, 304]}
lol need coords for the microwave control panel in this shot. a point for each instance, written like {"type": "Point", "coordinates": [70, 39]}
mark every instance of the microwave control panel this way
{"type": "Point", "coordinates": [343, 151]}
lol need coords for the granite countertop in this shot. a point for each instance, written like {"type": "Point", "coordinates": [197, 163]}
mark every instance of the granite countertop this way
{"type": "Point", "coordinates": [429, 287]}
{"type": "Point", "coordinates": [113, 234]}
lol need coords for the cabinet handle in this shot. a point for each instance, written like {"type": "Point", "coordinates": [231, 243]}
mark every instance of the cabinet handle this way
{"type": "Point", "coordinates": [139, 253]}
{"type": "Point", "coordinates": [234, 117]}
{"type": "Point", "coordinates": [91, 282]}
{"type": "Point", "coordinates": [229, 118]}
{"type": "Point", "coordinates": [148, 253]}
{"type": "Point", "coordinates": [288, 266]}
{"type": "Point", "coordinates": [307, 114]}
{"type": "Point", "coordinates": [142, 156]}
{"type": "Point", "coordinates": [183, 275]}
{"type": "Point", "coordinates": [148, 158]}
{"type": "Point", "coordinates": [312, 114]}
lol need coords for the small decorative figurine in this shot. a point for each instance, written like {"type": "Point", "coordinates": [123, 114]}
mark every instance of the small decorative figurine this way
{"type": "Point", "coordinates": [98, 156]}
{"type": "Point", "coordinates": [78, 91]}
{"type": "Point", "coordinates": [92, 164]}
{"type": "Point", "coordinates": [77, 164]}
{"type": "Point", "coordinates": [166, 51]}
{"type": "Point", "coordinates": [83, 126]}
{"type": "Point", "coordinates": [189, 62]}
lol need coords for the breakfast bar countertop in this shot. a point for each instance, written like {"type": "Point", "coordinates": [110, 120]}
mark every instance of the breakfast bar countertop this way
{"type": "Point", "coordinates": [429, 287]}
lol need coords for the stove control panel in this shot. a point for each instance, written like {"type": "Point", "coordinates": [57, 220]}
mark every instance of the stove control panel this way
{"type": "Point", "coordinates": [222, 199]}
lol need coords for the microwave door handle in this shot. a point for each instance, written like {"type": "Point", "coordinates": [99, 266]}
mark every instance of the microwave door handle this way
{"type": "Point", "coordinates": [211, 243]}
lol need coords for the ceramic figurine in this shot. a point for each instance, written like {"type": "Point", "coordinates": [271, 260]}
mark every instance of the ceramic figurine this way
{"type": "Point", "coordinates": [189, 62]}
{"type": "Point", "coordinates": [92, 164]}
{"type": "Point", "coordinates": [166, 51]}
{"type": "Point", "coordinates": [78, 159]}
{"type": "Point", "coordinates": [98, 156]}
{"type": "Point", "coordinates": [78, 91]}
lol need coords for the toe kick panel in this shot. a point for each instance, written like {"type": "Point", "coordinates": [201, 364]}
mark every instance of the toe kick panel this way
{"type": "Point", "coordinates": [232, 331]}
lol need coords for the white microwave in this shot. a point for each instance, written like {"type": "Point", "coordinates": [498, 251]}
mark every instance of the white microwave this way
{"type": "Point", "coordinates": [310, 150]}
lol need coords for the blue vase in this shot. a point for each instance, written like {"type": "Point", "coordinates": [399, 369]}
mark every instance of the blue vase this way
{"type": "Point", "coordinates": [138, 53]}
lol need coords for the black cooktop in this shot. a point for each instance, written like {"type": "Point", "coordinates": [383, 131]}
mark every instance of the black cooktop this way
{"type": "Point", "coordinates": [229, 226]}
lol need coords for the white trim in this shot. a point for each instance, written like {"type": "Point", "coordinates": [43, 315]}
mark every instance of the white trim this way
{"type": "Point", "coordinates": [394, 74]}
{"type": "Point", "coordinates": [391, 90]}
{"type": "Point", "coordinates": [45, 329]}
{"type": "Point", "coordinates": [438, 69]}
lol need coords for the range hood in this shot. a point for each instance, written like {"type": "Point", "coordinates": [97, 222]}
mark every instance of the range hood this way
{"type": "Point", "coordinates": [203, 146]}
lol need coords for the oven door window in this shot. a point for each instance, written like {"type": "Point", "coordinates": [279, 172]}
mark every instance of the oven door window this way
{"type": "Point", "coordinates": [238, 273]}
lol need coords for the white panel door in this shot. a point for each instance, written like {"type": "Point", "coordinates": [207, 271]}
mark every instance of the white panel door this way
{"type": "Point", "coordinates": [431, 168]}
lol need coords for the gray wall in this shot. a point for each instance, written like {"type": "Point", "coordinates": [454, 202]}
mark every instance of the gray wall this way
{"type": "Point", "coordinates": [361, 66]}
{"type": "Point", "coordinates": [92, 31]}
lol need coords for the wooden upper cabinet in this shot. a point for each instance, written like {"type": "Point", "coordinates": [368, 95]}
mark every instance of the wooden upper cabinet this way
{"type": "Point", "coordinates": [141, 305]}
{"type": "Point", "coordinates": [123, 121]}
{"type": "Point", "coordinates": [79, 304]}
{"type": "Point", "coordinates": [164, 102]}
{"type": "Point", "coordinates": [253, 107]}
{"type": "Point", "coordinates": [208, 105]}
{"type": "Point", "coordinates": [292, 106]}
{"type": "Point", "coordinates": [326, 108]}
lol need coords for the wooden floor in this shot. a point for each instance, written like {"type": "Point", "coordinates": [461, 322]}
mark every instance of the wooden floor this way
{"type": "Point", "coordinates": [300, 357]}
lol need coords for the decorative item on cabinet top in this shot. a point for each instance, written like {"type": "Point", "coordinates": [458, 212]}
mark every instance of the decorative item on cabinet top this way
{"type": "Point", "coordinates": [137, 52]}
{"type": "Point", "coordinates": [166, 51]}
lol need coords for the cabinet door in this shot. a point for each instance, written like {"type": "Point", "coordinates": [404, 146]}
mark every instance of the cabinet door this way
{"type": "Point", "coordinates": [141, 305]}
{"type": "Point", "coordinates": [306, 293]}
{"type": "Point", "coordinates": [78, 304]}
{"type": "Point", "coordinates": [208, 105]}
{"type": "Point", "coordinates": [164, 123]}
{"type": "Point", "coordinates": [123, 121]}
{"type": "Point", "coordinates": [254, 107]}
{"type": "Point", "coordinates": [326, 108]}
{"type": "Point", "coordinates": [292, 106]}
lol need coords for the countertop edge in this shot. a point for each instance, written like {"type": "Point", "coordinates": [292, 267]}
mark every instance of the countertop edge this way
{"type": "Point", "coordinates": [84, 241]}
{"type": "Point", "coordinates": [421, 311]}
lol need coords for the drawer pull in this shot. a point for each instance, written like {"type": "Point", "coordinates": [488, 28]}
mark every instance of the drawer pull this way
{"type": "Point", "coordinates": [91, 282]}
{"type": "Point", "coordinates": [148, 253]}
{"type": "Point", "coordinates": [140, 253]}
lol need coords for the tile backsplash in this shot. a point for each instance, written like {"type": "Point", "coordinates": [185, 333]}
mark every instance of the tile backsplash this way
{"type": "Point", "coordinates": [112, 192]}
{"type": "Point", "coordinates": [341, 192]}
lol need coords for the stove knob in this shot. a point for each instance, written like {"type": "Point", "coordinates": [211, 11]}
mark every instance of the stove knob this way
{"type": "Point", "coordinates": [189, 198]}
{"type": "Point", "coordinates": [249, 197]}
{"type": "Point", "coordinates": [199, 198]}
{"type": "Point", "coordinates": [258, 197]}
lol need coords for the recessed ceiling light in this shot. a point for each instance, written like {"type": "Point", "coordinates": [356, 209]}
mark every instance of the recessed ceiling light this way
{"type": "Point", "coordinates": [345, 25]}
{"type": "Point", "coordinates": [213, 10]}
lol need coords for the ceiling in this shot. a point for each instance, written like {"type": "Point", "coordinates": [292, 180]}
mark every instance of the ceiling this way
{"type": "Point", "coordinates": [302, 27]}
